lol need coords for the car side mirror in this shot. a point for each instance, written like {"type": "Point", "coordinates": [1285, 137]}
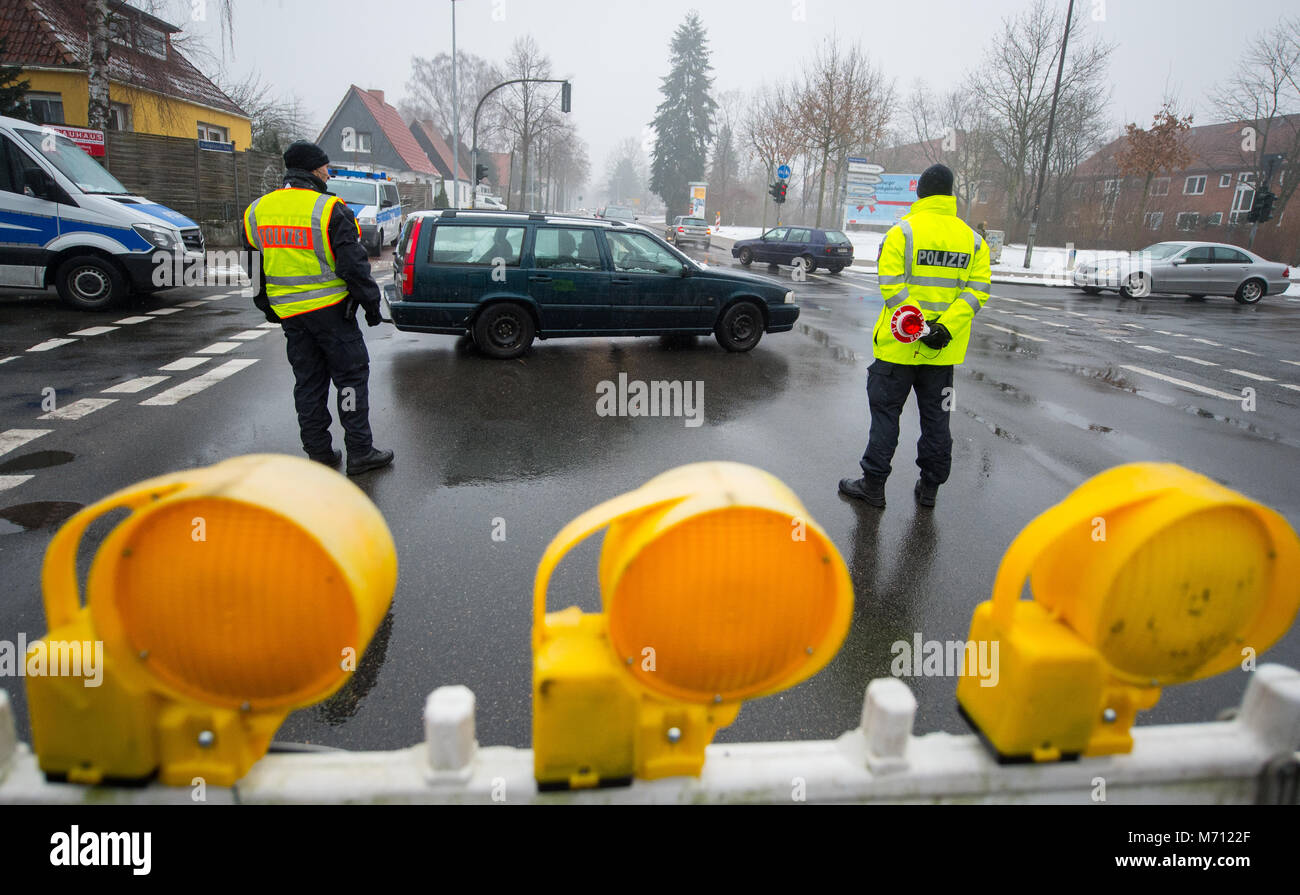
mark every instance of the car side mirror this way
{"type": "Point", "coordinates": [387, 203]}
{"type": "Point", "coordinates": [39, 183]}
{"type": "Point", "coordinates": [1177, 261]}
{"type": "Point", "coordinates": [686, 271]}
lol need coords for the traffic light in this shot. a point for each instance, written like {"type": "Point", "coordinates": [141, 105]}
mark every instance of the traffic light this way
{"type": "Point", "coordinates": [780, 191]}
{"type": "Point", "coordinates": [1146, 575]}
{"type": "Point", "coordinates": [566, 96]}
{"type": "Point", "coordinates": [1262, 208]}
{"type": "Point", "coordinates": [480, 173]}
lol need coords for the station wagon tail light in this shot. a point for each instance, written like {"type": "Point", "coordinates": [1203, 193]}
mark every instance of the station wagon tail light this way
{"type": "Point", "coordinates": [408, 269]}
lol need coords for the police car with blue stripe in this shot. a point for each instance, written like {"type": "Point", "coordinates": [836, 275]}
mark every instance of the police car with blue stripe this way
{"type": "Point", "coordinates": [372, 197]}
{"type": "Point", "coordinates": [68, 223]}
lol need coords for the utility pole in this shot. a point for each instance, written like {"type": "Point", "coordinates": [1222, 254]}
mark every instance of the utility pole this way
{"type": "Point", "coordinates": [1047, 148]}
{"type": "Point", "coordinates": [766, 193]}
{"type": "Point", "coordinates": [1270, 161]}
{"type": "Point", "coordinates": [455, 117]}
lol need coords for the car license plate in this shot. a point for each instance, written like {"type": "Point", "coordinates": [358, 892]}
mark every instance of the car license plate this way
{"type": "Point", "coordinates": [842, 251]}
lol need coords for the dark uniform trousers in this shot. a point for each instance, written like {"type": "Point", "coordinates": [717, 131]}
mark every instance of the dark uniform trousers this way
{"type": "Point", "coordinates": [888, 385]}
{"type": "Point", "coordinates": [326, 345]}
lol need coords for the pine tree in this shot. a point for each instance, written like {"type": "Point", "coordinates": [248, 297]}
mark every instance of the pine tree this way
{"type": "Point", "coordinates": [13, 92]}
{"type": "Point", "coordinates": [722, 177]}
{"type": "Point", "coordinates": [440, 200]}
{"type": "Point", "coordinates": [683, 122]}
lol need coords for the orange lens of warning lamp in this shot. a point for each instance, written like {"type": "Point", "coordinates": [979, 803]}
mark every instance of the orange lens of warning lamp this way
{"type": "Point", "coordinates": [226, 598]}
{"type": "Point", "coordinates": [1146, 575]}
{"type": "Point", "coordinates": [717, 588]}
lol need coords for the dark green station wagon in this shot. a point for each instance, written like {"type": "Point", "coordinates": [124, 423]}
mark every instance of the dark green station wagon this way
{"type": "Point", "coordinates": [506, 277]}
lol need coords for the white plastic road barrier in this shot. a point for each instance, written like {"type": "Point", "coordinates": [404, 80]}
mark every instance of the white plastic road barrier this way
{"type": "Point", "coordinates": [1253, 758]}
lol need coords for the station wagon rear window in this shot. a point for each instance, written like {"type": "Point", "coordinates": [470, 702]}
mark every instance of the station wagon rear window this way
{"type": "Point", "coordinates": [476, 244]}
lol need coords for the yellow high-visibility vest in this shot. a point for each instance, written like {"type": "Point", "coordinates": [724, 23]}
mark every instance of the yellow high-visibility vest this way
{"type": "Point", "coordinates": [931, 259]}
{"type": "Point", "coordinates": [290, 228]}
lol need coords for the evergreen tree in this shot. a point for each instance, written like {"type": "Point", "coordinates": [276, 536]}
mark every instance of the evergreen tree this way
{"type": "Point", "coordinates": [683, 122]}
{"type": "Point", "coordinates": [13, 92]}
{"type": "Point", "coordinates": [722, 177]}
{"type": "Point", "coordinates": [440, 200]}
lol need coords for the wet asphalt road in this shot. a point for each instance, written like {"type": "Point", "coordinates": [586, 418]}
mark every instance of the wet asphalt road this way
{"type": "Point", "coordinates": [1057, 386]}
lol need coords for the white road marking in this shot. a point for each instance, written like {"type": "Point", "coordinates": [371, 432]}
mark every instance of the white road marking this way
{"type": "Point", "coordinates": [93, 331]}
{"type": "Point", "coordinates": [249, 334]}
{"type": "Point", "coordinates": [15, 438]}
{"type": "Point", "coordinates": [269, 325]}
{"type": "Point", "coordinates": [189, 304]}
{"type": "Point", "coordinates": [1134, 326]}
{"type": "Point", "coordinates": [1077, 314]}
{"type": "Point", "coordinates": [1014, 333]}
{"type": "Point", "coordinates": [129, 320]}
{"type": "Point", "coordinates": [51, 343]}
{"type": "Point", "coordinates": [5, 360]}
{"type": "Point", "coordinates": [1182, 382]}
{"type": "Point", "coordinates": [1151, 348]}
{"type": "Point", "coordinates": [185, 363]}
{"type": "Point", "coordinates": [1250, 375]}
{"type": "Point", "coordinates": [1294, 363]}
{"type": "Point", "coordinates": [178, 393]}
{"type": "Point", "coordinates": [163, 312]}
{"type": "Point", "coordinates": [218, 348]}
{"type": "Point", "coordinates": [1208, 342]}
{"type": "Point", "coordinates": [1244, 351]}
{"type": "Point", "coordinates": [1294, 388]}
{"type": "Point", "coordinates": [1050, 323]}
{"type": "Point", "coordinates": [77, 409]}
{"type": "Point", "coordinates": [12, 481]}
{"type": "Point", "coordinates": [1164, 332]}
{"type": "Point", "coordinates": [1027, 317]}
{"type": "Point", "coordinates": [1005, 298]}
{"type": "Point", "coordinates": [1196, 360]}
{"type": "Point", "coordinates": [131, 386]}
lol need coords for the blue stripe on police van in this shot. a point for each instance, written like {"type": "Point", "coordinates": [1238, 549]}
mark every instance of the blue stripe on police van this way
{"type": "Point", "coordinates": [27, 229]}
{"type": "Point", "coordinates": [165, 213]}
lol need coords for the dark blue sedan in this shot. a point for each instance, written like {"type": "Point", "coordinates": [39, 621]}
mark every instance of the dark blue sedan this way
{"type": "Point", "coordinates": [808, 246]}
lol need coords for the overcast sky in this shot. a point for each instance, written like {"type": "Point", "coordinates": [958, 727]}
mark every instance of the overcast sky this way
{"type": "Point", "coordinates": [616, 51]}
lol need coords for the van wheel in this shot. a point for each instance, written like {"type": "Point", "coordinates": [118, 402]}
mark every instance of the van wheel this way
{"type": "Point", "coordinates": [740, 327]}
{"type": "Point", "coordinates": [504, 331]}
{"type": "Point", "coordinates": [746, 256]}
{"type": "Point", "coordinates": [90, 283]}
{"type": "Point", "coordinates": [1249, 292]}
{"type": "Point", "coordinates": [377, 246]}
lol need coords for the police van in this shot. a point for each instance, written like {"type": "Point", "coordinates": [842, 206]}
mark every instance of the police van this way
{"type": "Point", "coordinates": [372, 197]}
{"type": "Point", "coordinates": [68, 223]}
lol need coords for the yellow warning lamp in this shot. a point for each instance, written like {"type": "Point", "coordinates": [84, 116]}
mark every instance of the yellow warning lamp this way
{"type": "Point", "coordinates": [716, 588]}
{"type": "Point", "coordinates": [1146, 575]}
{"type": "Point", "coordinates": [228, 597]}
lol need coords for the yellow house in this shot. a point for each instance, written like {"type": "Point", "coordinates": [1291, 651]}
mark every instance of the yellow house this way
{"type": "Point", "coordinates": [153, 88]}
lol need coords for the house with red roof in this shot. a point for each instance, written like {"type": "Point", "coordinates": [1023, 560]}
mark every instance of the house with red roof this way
{"type": "Point", "coordinates": [153, 88]}
{"type": "Point", "coordinates": [367, 134]}
{"type": "Point", "coordinates": [438, 150]}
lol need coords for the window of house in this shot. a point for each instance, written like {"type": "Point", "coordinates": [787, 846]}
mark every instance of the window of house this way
{"type": "Point", "coordinates": [1225, 180]}
{"type": "Point", "coordinates": [119, 117]}
{"type": "Point", "coordinates": [363, 142]}
{"type": "Point", "coordinates": [982, 194]}
{"type": "Point", "coordinates": [47, 108]}
{"type": "Point", "coordinates": [1214, 220]}
{"type": "Point", "coordinates": [1152, 220]}
{"type": "Point", "coordinates": [1187, 220]}
{"type": "Point", "coordinates": [151, 41]}
{"type": "Point", "coordinates": [1160, 186]}
{"type": "Point", "coordinates": [119, 30]}
{"type": "Point", "coordinates": [1246, 177]}
{"type": "Point", "coordinates": [1077, 190]}
{"type": "Point", "coordinates": [1243, 198]}
{"type": "Point", "coordinates": [1111, 188]}
{"type": "Point", "coordinates": [1195, 186]}
{"type": "Point", "coordinates": [213, 132]}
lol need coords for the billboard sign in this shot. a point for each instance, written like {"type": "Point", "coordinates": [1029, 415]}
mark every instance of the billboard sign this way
{"type": "Point", "coordinates": [698, 191]}
{"type": "Point", "coordinates": [893, 198]}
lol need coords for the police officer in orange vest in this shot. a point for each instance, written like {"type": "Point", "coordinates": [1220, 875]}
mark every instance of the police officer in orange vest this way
{"type": "Point", "coordinates": [314, 274]}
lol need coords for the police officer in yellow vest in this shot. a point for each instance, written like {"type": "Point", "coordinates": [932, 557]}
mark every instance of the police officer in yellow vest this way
{"type": "Point", "coordinates": [933, 261]}
{"type": "Point", "coordinates": [314, 274]}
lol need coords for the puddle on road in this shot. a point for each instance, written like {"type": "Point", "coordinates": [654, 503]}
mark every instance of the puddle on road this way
{"type": "Point", "coordinates": [36, 460]}
{"type": "Point", "coordinates": [821, 337]}
{"type": "Point", "coordinates": [32, 516]}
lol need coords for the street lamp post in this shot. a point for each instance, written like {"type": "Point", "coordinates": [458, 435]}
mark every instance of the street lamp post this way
{"type": "Point", "coordinates": [1047, 148]}
{"type": "Point", "coordinates": [455, 116]}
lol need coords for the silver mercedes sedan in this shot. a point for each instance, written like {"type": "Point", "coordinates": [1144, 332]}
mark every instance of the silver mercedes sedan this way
{"type": "Point", "coordinates": [1186, 268]}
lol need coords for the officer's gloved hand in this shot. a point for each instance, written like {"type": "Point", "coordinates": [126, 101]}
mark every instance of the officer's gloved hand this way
{"type": "Point", "coordinates": [372, 317]}
{"type": "Point", "coordinates": [938, 337]}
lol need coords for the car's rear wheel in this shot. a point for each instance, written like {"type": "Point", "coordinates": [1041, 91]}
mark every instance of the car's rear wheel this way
{"type": "Point", "coordinates": [1090, 290]}
{"type": "Point", "coordinates": [740, 327]}
{"type": "Point", "coordinates": [835, 268]}
{"type": "Point", "coordinates": [1136, 286]}
{"type": "Point", "coordinates": [809, 263]}
{"type": "Point", "coordinates": [504, 331]}
{"type": "Point", "coordinates": [90, 283]}
{"type": "Point", "coordinates": [1250, 292]}
{"type": "Point", "coordinates": [746, 256]}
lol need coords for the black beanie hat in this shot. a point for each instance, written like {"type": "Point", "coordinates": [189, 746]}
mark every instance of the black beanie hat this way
{"type": "Point", "coordinates": [305, 156]}
{"type": "Point", "coordinates": [936, 181]}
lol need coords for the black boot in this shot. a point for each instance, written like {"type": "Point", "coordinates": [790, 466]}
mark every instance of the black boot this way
{"type": "Point", "coordinates": [868, 488]}
{"type": "Point", "coordinates": [372, 459]}
{"type": "Point", "coordinates": [332, 459]}
{"type": "Point", "coordinates": [925, 492]}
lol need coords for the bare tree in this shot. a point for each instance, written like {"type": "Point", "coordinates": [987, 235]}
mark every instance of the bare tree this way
{"type": "Point", "coordinates": [1015, 87]}
{"type": "Point", "coordinates": [528, 111]}
{"type": "Point", "coordinates": [1261, 95]}
{"type": "Point", "coordinates": [770, 129]}
{"type": "Point", "coordinates": [953, 130]}
{"type": "Point", "coordinates": [429, 95]}
{"type": "Point", "coordinates": [843, 101]}
{"type": "Point", "coordinates": [276, 120]}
